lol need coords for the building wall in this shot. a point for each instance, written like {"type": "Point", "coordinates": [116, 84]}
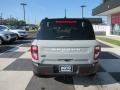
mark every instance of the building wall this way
{"type": "Point", "coordinates": [108, 8]}
{"type": "Point", "coordinates": [101, 29]}
{"type": "Point", "coordinates": [108, 29]}
{"type": "Point", "coordinates": [113, 21]}
{"type": "Point", "coordinates": [115, 24]}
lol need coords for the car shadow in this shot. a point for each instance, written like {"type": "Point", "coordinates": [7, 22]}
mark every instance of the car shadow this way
{"type": "Point", "coordinates": [103, 77]}
{"type": "Point", "coordinates": [64, 79]}
{"type": "Point", "coordinates": [99, 79]}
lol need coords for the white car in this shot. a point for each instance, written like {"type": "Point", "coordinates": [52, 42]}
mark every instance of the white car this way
{"type": "Point", "coordinates": [20, 33]}
{"type": "Point", "coordinates": [65, 47]}
{"type": "Point", "coordinates": [6, 36]}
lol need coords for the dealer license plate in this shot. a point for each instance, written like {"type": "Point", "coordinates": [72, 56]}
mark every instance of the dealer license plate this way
{"type": "Point", "coordinates": [65, 68]}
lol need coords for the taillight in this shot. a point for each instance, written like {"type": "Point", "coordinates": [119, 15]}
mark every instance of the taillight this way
{"type": "Point", "coordinates": [97, 51]}
{"type": "Point", "coordinates": [34, 52]}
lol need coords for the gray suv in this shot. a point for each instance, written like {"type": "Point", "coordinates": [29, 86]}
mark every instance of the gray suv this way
{"type": "Point", "coordinates": [65, 47]}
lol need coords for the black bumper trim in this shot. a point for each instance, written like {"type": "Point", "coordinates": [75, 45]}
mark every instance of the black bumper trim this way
{"type": "Point", "coordinates": [47, 69]}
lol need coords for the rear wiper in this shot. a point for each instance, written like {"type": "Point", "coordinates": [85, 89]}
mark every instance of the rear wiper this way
{"type": "Point", "coordinates": [61, 37]}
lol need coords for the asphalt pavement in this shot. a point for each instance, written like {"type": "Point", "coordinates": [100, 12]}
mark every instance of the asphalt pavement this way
{"type": "Point", "coordinates": [16, 71]}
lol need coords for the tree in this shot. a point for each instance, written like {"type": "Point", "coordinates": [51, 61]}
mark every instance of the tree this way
{"type": "Point", "coordinates": [10, 21]}
{"type": "Point", "coordinates": [13, 22]}
{"type": "Point", "coordinates": [21, 23]}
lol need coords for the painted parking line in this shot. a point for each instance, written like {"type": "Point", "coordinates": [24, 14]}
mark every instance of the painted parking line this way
{"type": "Point", "coordinates": [4, 62]}
{"type": "Point", "coordinates": [14, 80]}
{"type": "Point", "coordinates": [5, 48]}
{"type": "Point", "coordinates": [26, 55]}
{"type": "Point", "coordinates": [19, 49]}
{"type": "Point", "coordinates": [11, 54]}
{"type": "Point", "coordinates": [15, 47]}
{"type": "Point", "coordinates": [12, 48]}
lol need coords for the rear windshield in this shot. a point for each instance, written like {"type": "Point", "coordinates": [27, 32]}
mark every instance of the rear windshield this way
{"type": "Point", "coordinates": [66, 30]}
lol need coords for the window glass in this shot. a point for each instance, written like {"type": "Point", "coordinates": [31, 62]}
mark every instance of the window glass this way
{"type": "Point", "coordinates": [66, 30]}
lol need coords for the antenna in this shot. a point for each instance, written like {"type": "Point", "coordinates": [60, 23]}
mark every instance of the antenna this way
{"type": "Point", "coordinates": [65, 13]}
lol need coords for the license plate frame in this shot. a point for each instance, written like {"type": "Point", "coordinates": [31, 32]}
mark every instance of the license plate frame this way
{"type": "Point", "coordinates": [66, 68]}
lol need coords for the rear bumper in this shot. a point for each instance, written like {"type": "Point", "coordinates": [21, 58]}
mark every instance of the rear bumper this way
{"type": "Point", "coordinates": [46, 69]}
{"type": "Point", "coordinates": [13, 39]}
{"type": "Point", "coordinates": [22, 36]}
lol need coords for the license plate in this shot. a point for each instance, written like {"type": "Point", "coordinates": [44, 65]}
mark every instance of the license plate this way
{"type": "Point", "coordinates": [65, 68]}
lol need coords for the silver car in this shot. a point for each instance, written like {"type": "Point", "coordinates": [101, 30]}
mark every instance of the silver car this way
{"type": "Point", "coordinates": [6, 36]}
{"type": "Point", "coordinates": [19, 32]}
{"type": "Point", "coordinates": [65, 47]}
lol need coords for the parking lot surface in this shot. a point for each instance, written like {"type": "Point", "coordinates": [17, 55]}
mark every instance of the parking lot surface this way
{"type": "Point", "coordinates": [16, 71]}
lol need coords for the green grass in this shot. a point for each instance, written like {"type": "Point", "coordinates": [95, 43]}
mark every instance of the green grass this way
{"type": "Point", "coordinates": [109, 40]}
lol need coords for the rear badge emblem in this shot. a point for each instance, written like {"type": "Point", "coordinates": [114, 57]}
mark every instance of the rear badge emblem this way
{"type": "Point", "coordinates": [43, 55]}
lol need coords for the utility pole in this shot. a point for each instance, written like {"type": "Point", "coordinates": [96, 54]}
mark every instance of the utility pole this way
{"type": "Point", "coordinates": [82, 6]}
{"type": "Point", "coordinates": [24, 4]}
{"type": "Point", "coordinates": [10, 16]}
{"type": "Point", "coordinates": [1, 18]}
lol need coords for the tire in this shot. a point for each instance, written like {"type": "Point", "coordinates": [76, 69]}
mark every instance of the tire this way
{"type": "Point", "coordinates": [18, 37]}
{"type": "Point", "coordinates": [38, 74]}
{"type": "Point", "coordinates": [1, 41]}
{"type": "Point", "coordinates": [35, 71]}
{"type": "Point", "coordinates": [93, 74]}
